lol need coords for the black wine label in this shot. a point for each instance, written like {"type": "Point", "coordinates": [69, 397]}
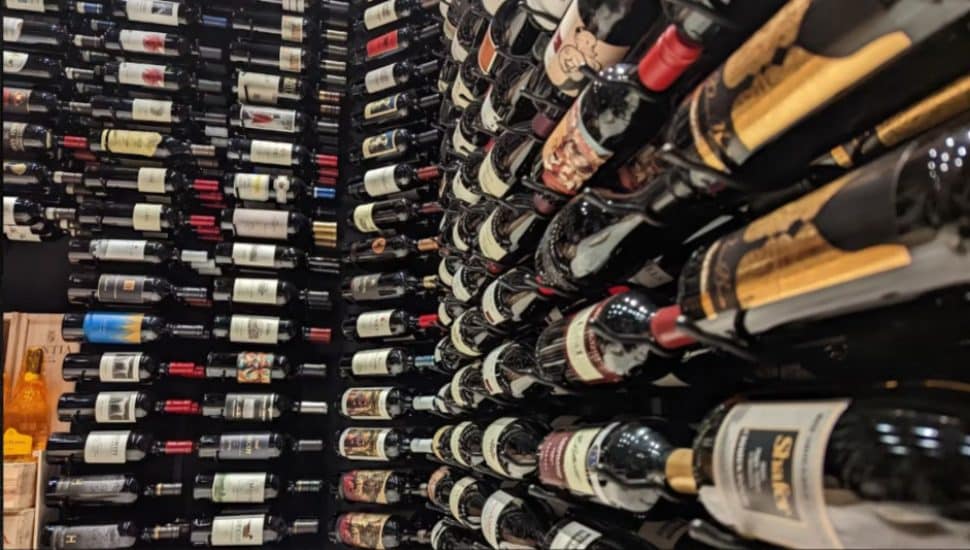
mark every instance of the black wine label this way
{"type": "Point", "coordinates": [241, 406]}
{"type": "Point", "coordinates": [124, 289]}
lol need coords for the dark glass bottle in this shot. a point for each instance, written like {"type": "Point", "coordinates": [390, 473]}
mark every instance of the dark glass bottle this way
{"type": "Point", "coordinates": [284, 58]}
{"type": "Point", "coordinates": [27, 101]}
{"type": "Point", "coordinates": [124, 534]}
{"type": "Point", "coordinates": [249, 487]}
{"type": "Point", "coordinates": [384, 362]}
{"type": "Point", "coordinates": [412, 105]}
{"type": "Point", "coordinates": [387, 249]}
{"type": "Point", "coordinates": [120, 250]}
{"type": "Point", "coordinates": [140, 216]}
{"type": "Point", "coordinates": [104, 490]}
{"type": "Point", "coordinates": [261, 329]}
{"type": "Point", "coordinates": [391, 179]}
{"type": "Point", "coordinates": [253, 445]}
{"type": "Point", "coordinates": [264, 223]}
{"type": "Point", "coordinates": [471, 334]}
{"type": "Point", "coordinates": [267, 119]}
{"type": "Point", "coordinates": [389, 11]}
{"type": "Point", "coordinates": [407, 38]}
{"type": "Point", "coordinates": [388, 324]}
{"type": "Point", "coordinates": [145, 144]}
{"type": "Point", "coordinates": [507, 371]}
{"type": "Point", "coordinates": [389, 214]}
{"type": "Point", "coordinates": [275, 292]}
{"type": "Point", "coordinates": [259, 407]}
{"type": "Point", "coordinates": [279, 188]}
{"type": "Point", "coordinates": [156, 12]}
{"type": "Point", "coordinates": [114, 367]}
{"type": "Point", "coordinates": [252, 367]}
{"type": "Point", "coordinates": [394, 144]}
{"type": "Point", "coordinates": [395, 74]}
{"type": "Point", "coordinates": [125, 328]}
{"type": "Point", "coordinates": [109, 447]}
{"type": "Point", "coordinates": [365, 530]}
{"type": "Point", "coordinates": [511, 230]}
{"type": "Point", "coordinates": [378, 486]}
{"type": "Point", "coordinates": [153, 42]}
{"type": "Point", "coordinates": [87, 287]}
{"type": "Point", "coordinates": [250, 530]}
{"type": "Point", "coordinates": [147, 75]}
{"type": "Point", "coordinates": [508, 519]}
{"type": "Point", "coordinates": [513, 299]}
{"type": "Point", "coordinates": [509, 445]}
{"type": "Point", "coordinates": [31, 65]}
{"type": "Point", "coordinates": [149, 180]}
{"type": "Point", "coordinates": [124, 407]}
{"type": "Point", "coordinates": [266, 88]}
{"type": "Point", "coordinates": [386, 286]}
{"type": "Point", "coordinates": [20, 137]}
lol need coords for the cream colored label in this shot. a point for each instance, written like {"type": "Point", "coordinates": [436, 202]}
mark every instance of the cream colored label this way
{"type": "Point", "coordinates": [254, 329]}
{"type": "Point", "coordinates": [141, 74]}
{"type": "Point", "coordinates": [115, 407]}
{"type": "Point", "coordinates": [251, 187]}
{"type": "Point", "coordinates": [237, 530]}
{"type": "Point", "coordinates": [375, 324]}
{"type": "Point", "coordinates": [119, 367]}
{"type": "Point", "coordinates": [461, 96]}
{"type": "Point", "coordinates": [576, 463]}
{"type": "Point", "coordinates": [573, 46]}
{"type": "Point", "coordinates": [379, 15]}
{"type": "Point", "coordinates": [454, 498]}
{"type": "Point", "coordinates": [459, 341]}
{"type": "Point", "coordinates": [574, 536]}
{"type": "Point", "coordinates": [291, 59]}
{"type": "Point", "coordinates": [294, 5]}
{"type": "Point", "coordinates": [366, 403]}
{"type": "Point", "coordinates": [146, 217]}
{"type": "Point", "coordinates": [379, 79]}
{"type": "Point", "coordinates": [106, 447]}
{"type": "Point", "coordinates": [151, 180]}
{"type": "Point", "coordinates": [160, 12]}
{"type": "Point", "coordinates": [381, 181]}
{"type": "Point", "coordinates": [151, 110]}
{"type": "Point", "coordinates": [364, 218]}
{"type": "Point", "coordinates": [13, 62]}
{"type": "Point", "coordinates": [26, 5]}
{"type": "Point", "coordinates": [576, 352]}
{"type": "Point", "coordinates": [454, 443]}
{"type": "Point", "coordinates": [490, 450]}
{"type": "Point", "coordinates": [271, 152]}
{"type": "Point", "coordinates": [363, 443]}
{"type": "Point", "coordinates": [371, 362]}
{"type": "Point", "coordinates": [254, 255]}
{"type": "Point", "coordinates": [291, 28]}
{"type": "Point", "coordinates": [127, 142]}
{"type": "Point", "coordinates": [12, 27]}
{"type": "Point", "coordinates": [491, 512]}
{"type": "Point", "coordinates": [265, 224]}
{"type": "Point", "coordinates": [239, 487]}
{"type": "Point", "coordinates": [255, 291]}
{"type": "Point", "coordinates": [257, 87]}
{"type": "Point", "coordinates": [487, 240]}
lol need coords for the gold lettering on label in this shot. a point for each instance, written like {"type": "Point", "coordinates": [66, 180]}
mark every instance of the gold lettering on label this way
{"type": "Point", "coordinates": [781, 488]}
{"type": "Point", "coordinates": [779, 32]}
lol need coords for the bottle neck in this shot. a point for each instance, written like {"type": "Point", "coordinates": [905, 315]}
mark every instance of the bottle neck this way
{"type": "Point", "coordinates": [420, 445]}
{"type": "Point", "coordinates": [163, 490]}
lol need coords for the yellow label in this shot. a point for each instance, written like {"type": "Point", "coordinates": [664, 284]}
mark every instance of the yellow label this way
{"type": "Point", "coordinates": [16, 443]}
{"type": "Point", "coordinates": [128, 142]}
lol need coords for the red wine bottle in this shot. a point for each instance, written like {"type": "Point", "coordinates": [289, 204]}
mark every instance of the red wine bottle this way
{"type": "Point", "coordinates": [275, 292]}
{"type": "Point", "coordinates": [253, 445]}
{"type": "Point", "coordinates": [104, 490]}
{"type": "Point", "coordinates": [120, 250]}
{"type": "Point", "coordinates": [249, 487]}
{"type": "Point", "coordinates": [256, 407]}
{"type": "Point", "coordinates": [391, 179]}
{"type": "Point", "coordinates": [123, 407]}
{"type": "Point", "coordinates": [261, 329]}
{"type": "Point", "coordinates": [365, 530]}
{"type": "Point", "coordinates": [386, 286]}
{"type": "Point", "coordinates": [379, 486]}
{"type": "Point", "coordinates": [388, 324]}
{"type": "Point", "coordinates": [383, 250]}
{"type": "Point", "coordinates": [110, 447]}
{"type": "Point", "coordinates": [87, 288]}
{"type": "Point", "coordinates": [394, 75]}
{"type": "Point", "coordinates": [252, 367]}
{"type": "Point", "coordinates": [249, 530]}
{"type": "Point", "coordinates": [382, 362]}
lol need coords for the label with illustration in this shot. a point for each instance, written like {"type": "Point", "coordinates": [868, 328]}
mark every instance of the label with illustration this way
{"type": "Point", "coordinates": [254, 255]}
{"type": "Point", "coordinates": [254, 329]}
{"type": "Point", "coordinates": [381, 107]}
{"type": "Point", "coordinates": [13, 62]}
{"type": "Point", "coordinates": [142, 41]}
{"type": "Point", "coordinates": [366, 403]}
{"type": "Point", "coordinates": [363, 443]}
{"type": "Point", "coordinates": [113, 328]}
{"type": "Point", "coordinates": [237, 530]}
{"type": "Point", "coordinates": [106, 447]}
{"type": "Point", "coordinates": [267, 118]}
{"type": "Point", "coordinates": [254, 368]}
{"type": "Point", "coordinates": [379, 145]}
{"type": "Point", "coordinates": [574, 46]}
{"type": "Point", "coordinates": [365, 485]}
{"type": "Point", "coordinates": [16, 100]}
{"type": "Point", "coordinates": [362, 530]}
{"type": "Point", "coordinates": [115, 407]}
{"type": "Point", "coordinates": [141, 74]}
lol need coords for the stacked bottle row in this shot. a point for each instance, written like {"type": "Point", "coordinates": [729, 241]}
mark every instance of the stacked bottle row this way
{"type": "Point", "coordinates": [192, 146]}
{"type": "Point", "coordinates": [682, 305]}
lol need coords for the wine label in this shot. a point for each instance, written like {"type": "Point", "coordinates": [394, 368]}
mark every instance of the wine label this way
{"type": "Point", "coordinates": [367, 287]}
{"type": "Point", "coordinates": [365, 485]}
{"type": "Point", "coordinates": [239, 487]}
{"type": "Point", "coordinates": [89, 488]}
{"type": "Point", "coordinates": [257, 87]}
{"type": "Point", "coordinates": [492, 440]}
{"type": "Point", "coordinates": [379, 79]}
{"type": "Point", "coordinates": [87, 536]}
{"type": "Point", "coordinates": [462, 191]}
{"type": "Point", "coordinates": [123, 250]}
{"type": "Point", "coordinates": [571, 155]}
{"type": "Point", "coordinates": [458, 288]}
{"type": "Point", "coordinates": [124, 289]}
{"type": "Point", "coordinates": [12, 28]}
{"type": "Point", "coordinates": [438, 531]}
{"type": "Point", "coordinates": [574, 46]}
{"type": "Point", "coordinates": [584, 356]}
{"type": "Point", "coordinates": [119, 367]}
{"type": "Point", "coordinates": [460, 142]}
{"type": "Point", "coordinates": [13, 136]}
{"type": "Point", "coordinates": [254, 255]}
{"type": "Point", "coordinates": [563, 460]}
{"type": "Point", "coordinates": [159, 12]}
{"type": "Point", "coordinates": [113, 328]}
{"type": "Point", "coordinates": [26, 5]}
{"type": "Point", "coordinates": [291, 59]}
{"type": "Point", "coordinates": [254, 329]}
{"type": "Point", "coordinates": [488, 241]}
{"type": "Point", "coordinates": [457, 393]}
{"type": "Point", "coordinates": [255, 291]}
{"type": "Point", "coordinates": [434, 479]}
{"type": "Point", "coordinates": [362, 530]}
{"type": "Point", "coordinates": [574, 536]}
{"type": "Point", "coordinates": [363, 443]}
{"type": "Point", "coordinates": [115, 406]}
{"type": "Point", "coordinates": [460, 244]}
{"type": "Point", "coordinates": [381, 181]}
{"type": "Point", "coordinates": [249, 406]}
{"type": "Point", "coordinates": [448, 28]}
{"type": "Point", "coordinates": [381, 107]}
{"type": "Point", "coordinates": [490, 119]}
{"type": "Point", "coordinates": [106, 447]}
{"type": "Point", "coordinates": [364, 218]}
{"type": "Point", "coordinates": [246, 446]}
{"type": "Point", "coordinates": [254, 368]}
{"type": "Point", "coordinates": [455, 443]}
{"type": "Point", "coordinates": [379, 15]}
{"type": "Point", "coordinates": [128, 142]}
{"type": "Point", "coordinates": [267, 118]}
{"type": "Point", "coordinates": [142, 41]}
{"type": "Point", "coordinates": [383, 44]}
{"type": "Point", "coordinates": [253, 187]}
{"type": "Point", "coordinates": [366, 403]}
{"type": "Point", "coordinates": [787, 507]}
{"type": "Point", "coordinates": [455, 501]}
{"type": "Point", "coordinates": [492, 374]}
{"type": "Point", "coordinates": [9, 203]}
{"type": "Point", "coordinates": [491, 513]}
{"type": "Point", "coordinates": [458, 52]}
{"type": "Point", "coordinates": [298, 6]}
{"type": "Point", "coordinates": [151, 180]}
{"type": "Point", "coordinates": [266, 224]}
{"type": "Point", "coordinates": [444, 317]}
{"type": "Point", "coordinates": [151, 110]}
{"type": "Point", "coordinates": [271, 152]}
{"type": "Point", "coordinates": [375, 324]}
{"type": "Point", "coordinates": [371, 362]}
{"type": "Point", "coordinates": [441, 442]}
{"type": "Point", "coordinates": [237, 530]}
{"type": "Point", "coordinates": [146, 217]}
{"type": "Point", "coordinates": [141, 74]}
{"type": "Point", "coordinates": [461, 96]}
{"type": "Point", "coordinates": [459, 341]}
{"type": "Point", "coordinates": [16, 101]}
{"type": "Point", "coordinates": [13, 62]}
{"type": "Point", "coordinates": [490, 308]}
{"type": "Point", "coordinates": [291, 28]}
{"type": "Point", "coordinates": [379, 145]}
{"type": "Point", "coordinates": [663, 535]}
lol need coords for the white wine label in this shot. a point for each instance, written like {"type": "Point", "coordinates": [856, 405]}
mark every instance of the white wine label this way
{"type": "Point", "coordinates": [119, 367]}
{"type": "Point", "coordinates": [160, 12]}
{"type": "Point", "coordinates": [141, 74]}
{"type": "Point", "coordinates": [488, 241]}
{"type": "Point", "coordinates": [375, 324]}
{"type": "Point", "coordinates": [444, 275]}
{"type": "Point", "coordinates": [151, 180]}
{"type": "Point", "coordinates": [458, 288]}
{"type": "Point", "coordinates": [125, 289]}
{"type": "Point", "coordinates": [254, 255]}
{"type": "Point", "coordinates": [239, 487]}
{"type": "Point", "coordinates": [12, 27]}
{"type": "Point", "coordinates": [364, 218]}
{"type": "Point", "coordinates": [462, 191]}
{"type": "Point", "coordinates": [146, 217]}
{"type": "Point", "coordinates": [379, 79]}
{"type": "Point", "coordinates": [454, 498]}
{"type": "Point", "coordinates": [123, 250]}
{"type": "Point", "coordinates": [574, 536]}
{"type": "Point", "coordinates": [455, 443]}
{"type": "Point", "coordinates": [458, 52]}
{"type": "Point", "coordinates": [271, 152]}
{"type": "Point", "coordinates": [291, 59]}
{"type": "Point", "coordinates": [267, 118]}
{"type": "Point", "coordinates": [490, 119]}
{"type": "Point", "coordinates": [788, 507]}
{"type": "Point", "coordinates": [115, 407]}
{"type": "Point", "coordinates": [449, 29]}
{"type": "Point", "coordinates": [461, 143]}
{"type": "Point", "coordinates": [291, 28]}
{"type": "Point", "coordinates": [380, 14]}
{"type": "Point", "coordinates": [298, 6]}
{"type": "Point", "coordinates": [366, 403]}
{"type": "Point", "coordinates": [264, 224]}
{"type": "Point", "coordinates": [461, 96]}
{"type": "Point", "coordinates": [237, 530]}
{"type": "Point", "coordinates": [563, 460]}
{"type": "Point", "coordinates": [371, 362]}
{"type": "Point", "coordinates": [281, 188]}
{"type": "Point", "coordinates": [459, 341]}
{"type": "Point", "coordinates": [580, 357]}
{"type": "Point", "coordinates": [255, 291]}
{"type": "Point", "coordinates": [13, 136]}
{"type": "Point", "coordinates": [491, 311]}
{"type": "Point", "coordinates": [490, 449]}
{"type": "Point", "coordinates": [9, 203]}
{"type": "Point", "coordinates": [254, 329]}
{"type": "Point", "coordinates": [20, 233]}
{"type": "Point", "coordinates": [573, 46]}
{"type": "Point", "coordinates": [439, 529]}
{"type": "Point", "coordinates": [554, 9]}
{"type": "Point", "coordinates": [106, 447]}
{"type": "Point", "coordinates": [13, 62]}
{"type": "Point", "coordinates": [443, 316]}
{"type": "Point", "coordinates": [379, 145]}
{"type": "Point", "coordinates": [248, 406]}
{"type": "Point", "coordinates": [26, 5]}
{"type": "Point", "coordinates": [365, 287]}
{"type": "Point", "coordinates": [127, 142]}
{"type": "Point", "coordinates": [381, 181]}
{"type": "Point", "coordinates": [491, 512]}
{"type": "Point", "coordinates": [251, 187]}
{"type": "Point", "coordinates": [363, 443]}
{"type": "Point", "coordinates": [381, 107]}
{"type": "Point", "coordinates": [257, 87]}
{"type": "Point", "coordinates": [142, 41]}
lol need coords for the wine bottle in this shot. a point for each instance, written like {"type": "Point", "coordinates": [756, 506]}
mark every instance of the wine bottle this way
{"type": "Point", "coordinates": [261, 329]}
{"type": "Point", "coordinates": [364, 530]}
{"type": "Point", "coordinates": [389, 324]}
{"type": "Point", "coordinates": [394, 75]}
{"type": "Point", "coordinates": [147, 75]}
{"type": "Point", "coordinates": [145, 144]}
{"type": "Point", "coordinates": [278, 153]}
{"type": "Point", "coordinates": [512, 299]}
{"type": "Point", "coordinates": [156, 12]}
{"type": "Point", "coordinates": [121, 367]}
{"type": "Point", "coordinates": [470, 84]}
{"type": "Point", "coordinates": [382, 403]}
{"type": "Point", "coordinates": [577, 533]}
{"type": "Point", "coordinates": [468, 34]}
{"type": "Point", "coordinates": [511, 230]}
{"type": "Point", "coordinates": [140, 216]}
{"type": "Point", "coordinates": [102, 327]}
{"type": "Point", "coordinates": [276, 292]}
{"type": "Point", "coordinates": [391, 179]}
{"type": "Point", "coordinates": [240, 487]}
{"type": "Point", "coordinates": [287, 27]}
{"type": "Point", "coordinates": [288, 59]}
{"type": "Point", "coordinates": [388, 214]}
{"type": "Point", "coordinates": [279, 188]}
{"type": "Point", "coordinates": [252, 367]}
{"type": "Point", "coordinates": [269, 89]}
{"type": "Point", "coordinates": [390, 11]}
{"type": "Point", "coordinates": [110, 447]}
{"type": "Point", "coordinates": [394, 144]}
{"type": "Point", "coordinates": [401, 107]}
{"type": "Point", "coordinates": [471, 335]}
{"type": "Point", "coordinates": [27, 174]}
{"type": "Point", "coordinates": [120, 250]}
{"type": "Point", "coordinates": [378, 486]}
{"type": "Point", "coordinates": [467, 138]}
{"type": "Point", "coordinates": [378, 444]}
{"type": "Point", "coordinates": [270, 256]}
{"type": "Point", "coordinates": [446, 535]}
{"type": "Point", "coordinates": [387, 249]}
{"type": "Point", "coordinates": [384, 362]}
{"type": "Point", "coordinates": [449, 309]}
{"type": "Point", "coordinates": [135, 41]}
{"type": "Point", "coordinates": [261, 407]}
{"type": "Point", "coordinates": [509, 521]}
{"type": "Point", "coordinates": [407, 38]}
{"type": "Point", "coordinates": [267, 119]}
{"type": "Point", "coordinates": [253, 445]}
{"type": "Point", "coordinates": [264, 223]}
{"type": "Point", "coordinates": [125, 407]}
{"type": "Point", "coordinates": [59, 6]}
{"type": "Point", "coordinates": [101, 490]}
{"type": "Point", "coordinates": [247, 530]}
{"type": "Point", "coordinates": [20, 137]}
{"type": "Point", "coordinates": [154, 111]}
{"type": "Point", "coordinates": [510, 444]}
{"type": "Point", "coordinates": [467, 389]}
{"type": "Point", "coordinates": [123, 534]}
{"type": "Point", "coordinates": [439, 486]}
{"type": "Point", "coordinates": [386, 286]}
{"type": "Point", "coordinates": [507, 371]}
{"type": "Point", "coordinates": [504, 105]}
{"type": "Point", "coordinates": [27, 101]}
